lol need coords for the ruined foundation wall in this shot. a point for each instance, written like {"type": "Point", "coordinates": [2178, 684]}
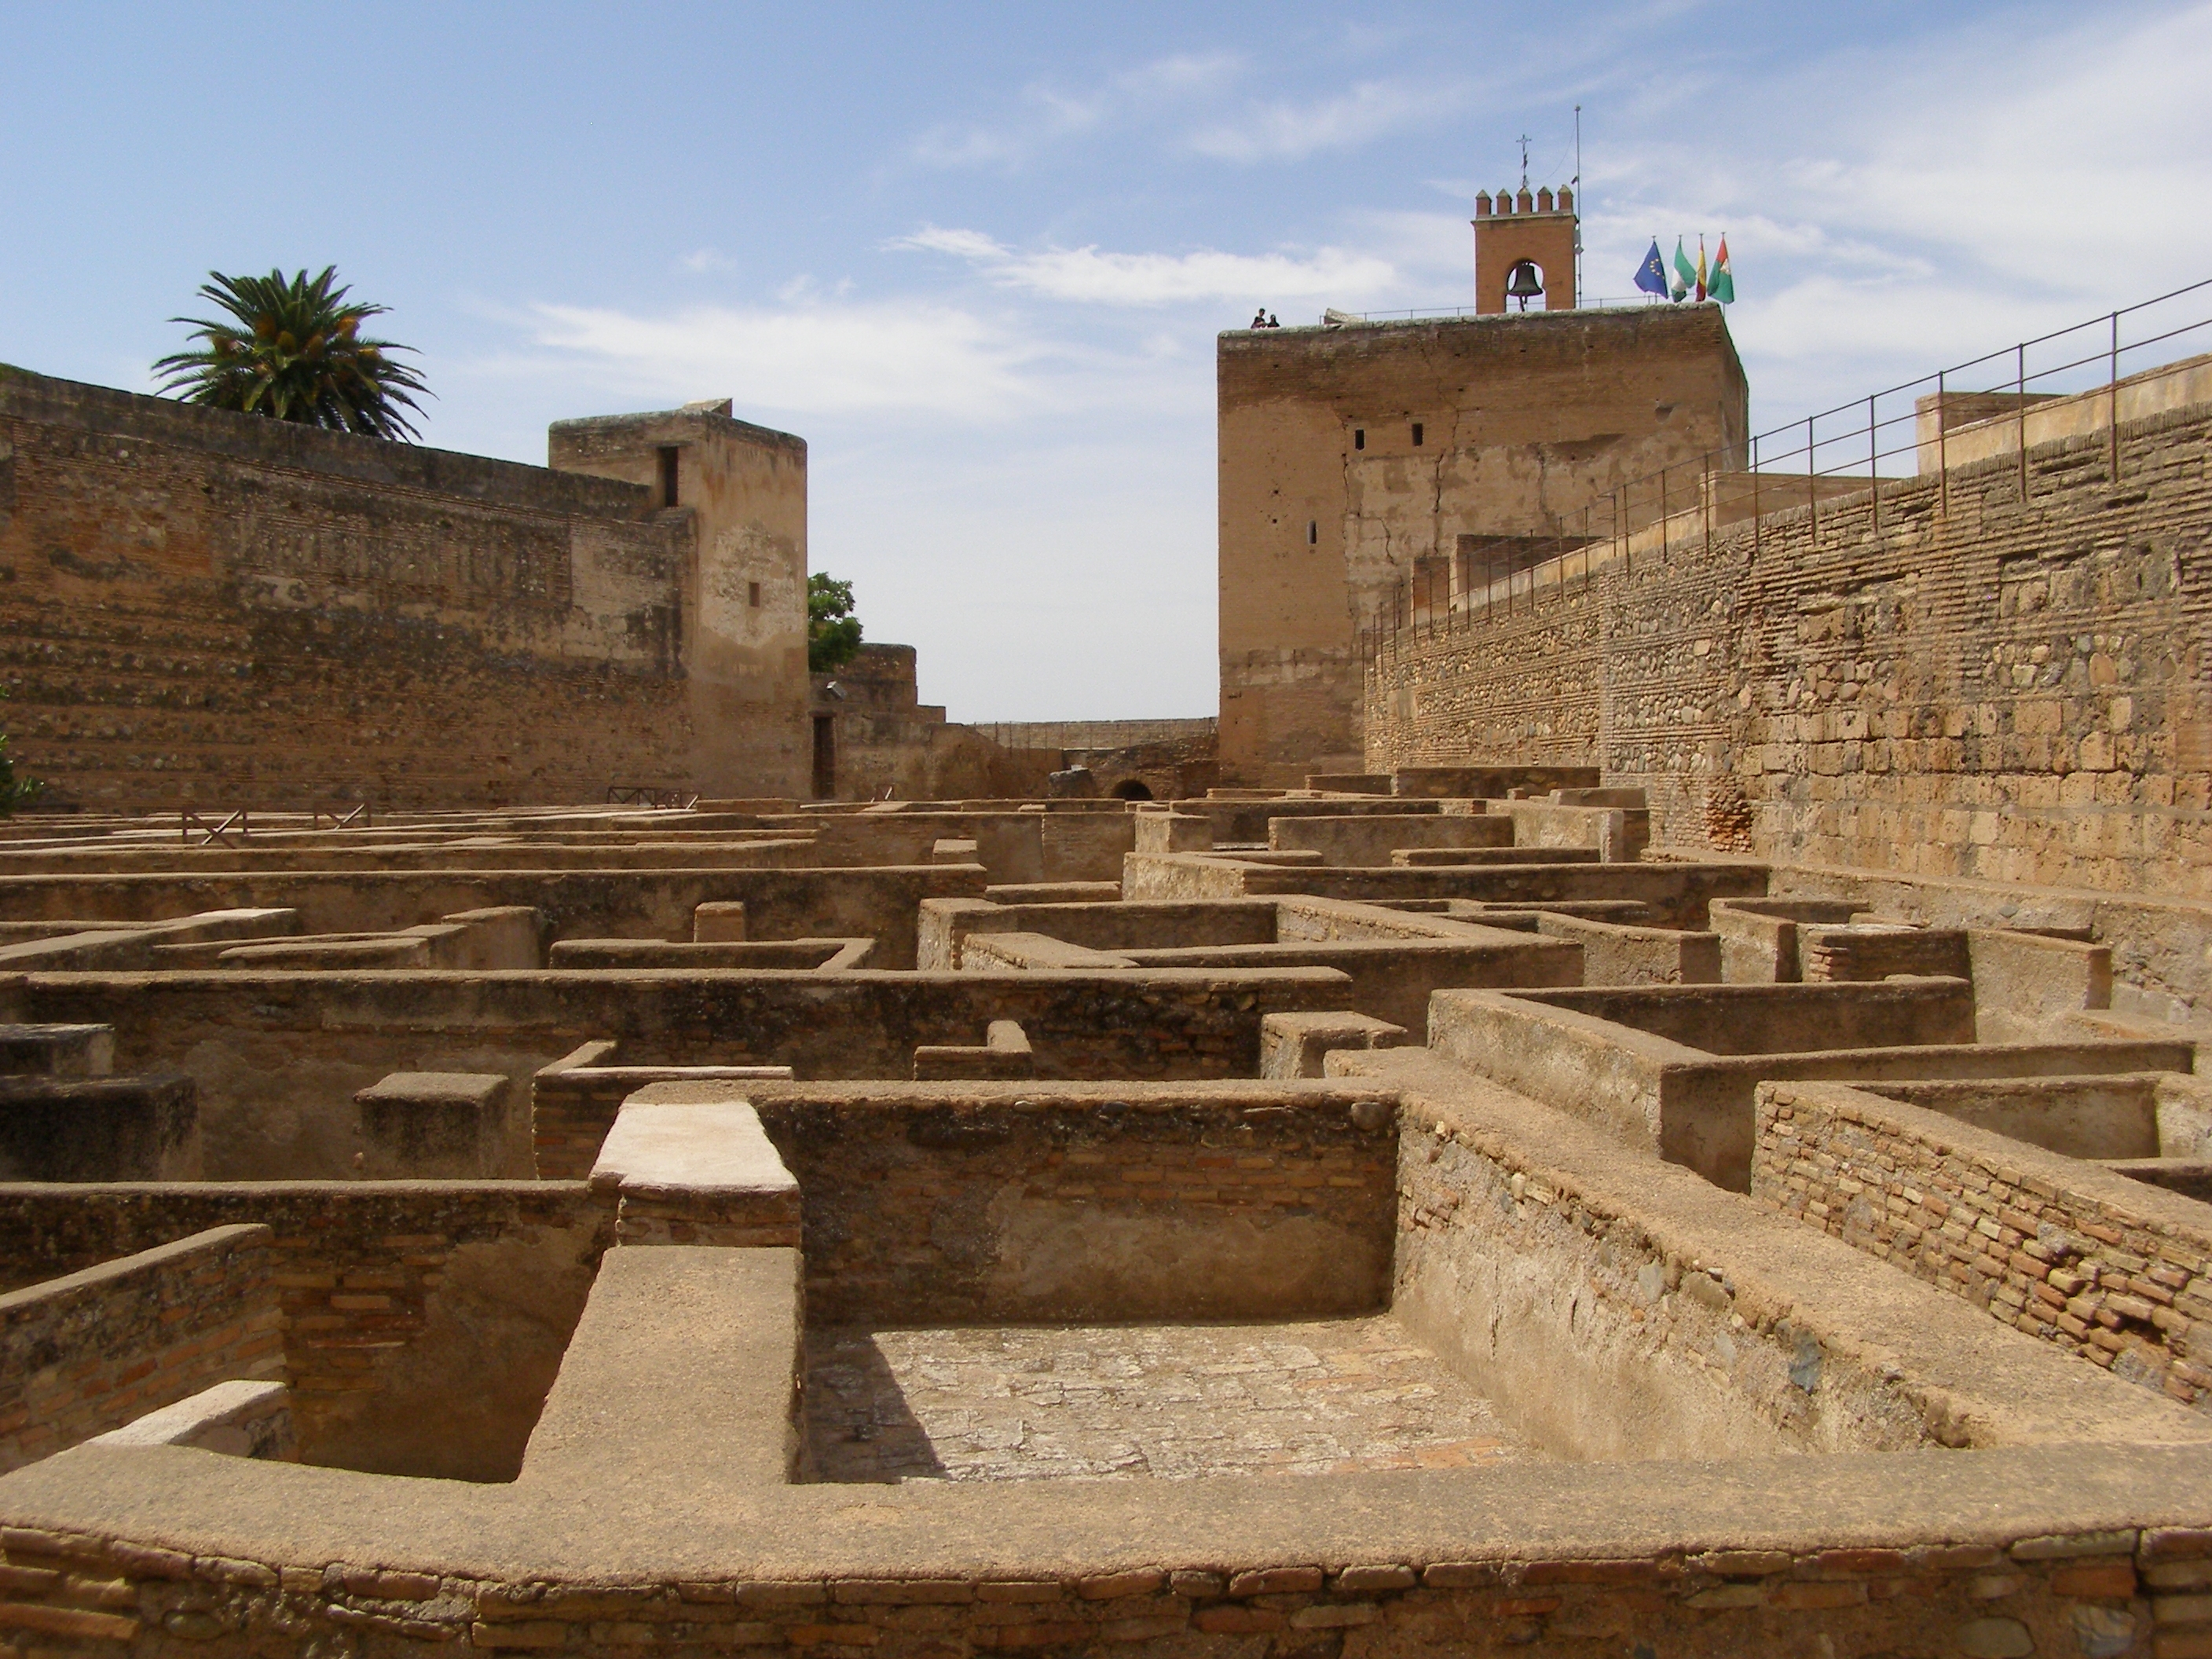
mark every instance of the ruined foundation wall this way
{"type": "Point", "coordinates": [423, 1320]}
{"type": "Point", "coordinates": [95, 1349]}
{"type": "Point", "coordinates": [2097, 1263]}
{"type": "Point", "coordinates": [1979, 686]}
{"type": "Point", "coordinates": [962, 1204]}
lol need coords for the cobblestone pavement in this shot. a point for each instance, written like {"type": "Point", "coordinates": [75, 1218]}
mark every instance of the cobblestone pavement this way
{"type": "Point", "coordinates": [1328, 1397]}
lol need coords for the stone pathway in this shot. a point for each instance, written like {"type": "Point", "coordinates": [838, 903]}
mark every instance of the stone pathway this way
{"type": "Point", "coordinates": [1328, 1397]}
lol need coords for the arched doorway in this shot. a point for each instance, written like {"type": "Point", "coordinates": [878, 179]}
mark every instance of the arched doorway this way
{"type": "Point", "coordinates": [1132, 789]}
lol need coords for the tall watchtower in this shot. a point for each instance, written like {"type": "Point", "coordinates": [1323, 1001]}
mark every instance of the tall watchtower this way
{"type": "Point", "coordinates": [1538, 229]}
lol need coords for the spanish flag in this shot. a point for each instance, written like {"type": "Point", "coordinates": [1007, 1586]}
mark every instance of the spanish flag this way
{"type": "Point", "coordinates": [1722, 286]}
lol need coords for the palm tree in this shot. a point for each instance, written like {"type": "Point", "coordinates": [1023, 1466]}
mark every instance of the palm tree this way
{"type": "Point", "coordinates": [294, 350]}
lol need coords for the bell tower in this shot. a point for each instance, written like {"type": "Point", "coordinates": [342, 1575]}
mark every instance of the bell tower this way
{"type": "Point", "coordinates": [1524, 247]}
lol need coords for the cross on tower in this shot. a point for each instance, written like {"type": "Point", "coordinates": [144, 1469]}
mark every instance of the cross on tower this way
{"type": "Point", "coordinates": [1524, 160]}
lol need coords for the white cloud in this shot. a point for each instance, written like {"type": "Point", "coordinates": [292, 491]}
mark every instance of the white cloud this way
{"type": "Point", "coordinates": [1050, 113]}
{"type": "Point", "coordinates": [705, 259]}
{"type": "Point", "coordinates": [1088, 276]}
{"type": "Point", "coordinates": [805, 359]}
{"type": "Point", "coordinates": [1285, 131]}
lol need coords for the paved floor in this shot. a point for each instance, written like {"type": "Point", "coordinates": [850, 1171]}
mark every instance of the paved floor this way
{"type": "Point", "coordinates": [1321, 1398]}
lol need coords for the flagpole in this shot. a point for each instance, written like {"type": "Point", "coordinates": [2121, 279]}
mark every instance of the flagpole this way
{"type": "Point", "coordinates": [1578, 215]}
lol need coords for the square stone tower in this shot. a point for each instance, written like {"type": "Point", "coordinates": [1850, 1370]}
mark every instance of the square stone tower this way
{"type": "Point", "coordinates": [744, 638]}
{"type": "Point", "coordinates": [1355, 457]}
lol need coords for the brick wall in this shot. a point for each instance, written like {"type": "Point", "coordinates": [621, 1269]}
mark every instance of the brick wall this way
{"type": "Point", "coordinates": [2114, 1270]}
{"type": "Point", "coordinates": [1978, 686]}
{"type": "Point", "coordinates": [227, 611]}
{"type": "Point", "coordinates": [965, 1202]}
{"type": "Point", "coordinates": [92, 1350]}
{"type": "Point", "coordinates": [422, 1321]}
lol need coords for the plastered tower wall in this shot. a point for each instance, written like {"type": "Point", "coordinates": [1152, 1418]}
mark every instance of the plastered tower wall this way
{"type": "Point", "coordinates": [744, 638]}
{"type": "Point", "coordinates": [211, 609]}
{"type": "Point", "coordinates": [1349, 456]}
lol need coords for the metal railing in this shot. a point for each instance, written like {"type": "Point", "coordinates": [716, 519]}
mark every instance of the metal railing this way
{"type": "Point", "coordinates": [1423, 314]}
{"type": "Point", "coordinates": [660, 796]}
{"type": "Point", "coordinates": [1982, 407]}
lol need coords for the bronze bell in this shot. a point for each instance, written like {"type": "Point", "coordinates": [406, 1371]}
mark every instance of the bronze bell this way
{"type": "Point", "coordinates": [1523, 283]}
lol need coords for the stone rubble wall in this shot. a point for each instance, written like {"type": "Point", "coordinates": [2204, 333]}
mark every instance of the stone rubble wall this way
{"type": "Point", "coordinates": [2105, 1267]}
{"type": "Point", "coordinates": [92, 1350]}
{"type": "Point", "coordinates": [1981, 686]}
{"type": "Point", "coordinates": [2096, 1593]}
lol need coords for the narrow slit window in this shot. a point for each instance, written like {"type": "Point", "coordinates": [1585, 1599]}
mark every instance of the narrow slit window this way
{"type": "Point", "coordinates": [668, 454]}
{"type": "Point", "coordinates": [1359, 437]}
{"type": "Point", "coordinates": [1313, 532]}
{"type": "Point", "coordinates": [752, 594]}
{"type": "Point", "coordinates": [1416, 434]}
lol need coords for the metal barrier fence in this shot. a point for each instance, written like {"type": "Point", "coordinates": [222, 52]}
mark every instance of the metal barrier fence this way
{"type": "Point", "coordinates": [1839, 453]}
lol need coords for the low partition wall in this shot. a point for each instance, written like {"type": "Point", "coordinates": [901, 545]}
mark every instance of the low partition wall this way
{"type": "Point", "coordinates": [2158, 962]}
{"type": "Point", "coordinates": [945, 925]}
{"type": "Point", "coordinates": [613, 903]}
{"type": "Point", "coordinates": [423, 1320]}
{"type": "Point", "coordinates": [1611, 1057]}
{"type": "Point", "coordinates": [1676, 893]}
{"type": "Point", "coordinates": [278, 1057]}
{"type": "Point", "coordinates": [1616, 1308]}
{"type": "Point", "coordinates": [937, 1203]}
{"type": "Point", "coordinates": [95, 1349]}
{"type": "Point", "coordinates": [2041, 1551]}
{"type": "Point", "coordinates": [2112, 1269]}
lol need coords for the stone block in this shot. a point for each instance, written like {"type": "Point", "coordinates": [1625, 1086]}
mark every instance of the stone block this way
{"type": "Point", "coordinates": [722, 921]}
{"type": "Point", "coordinates": [1298, 1045]}
{"type": "Point", "coordinates": [100, 1129]}
{"type": "Point", "coordinates": [421, 1126]}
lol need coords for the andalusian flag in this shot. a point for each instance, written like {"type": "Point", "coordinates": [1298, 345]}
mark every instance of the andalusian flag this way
{"type": "Point", "coordinates": [1686, 274]}
{"type": "Point", "coordinates": [1722, 285]}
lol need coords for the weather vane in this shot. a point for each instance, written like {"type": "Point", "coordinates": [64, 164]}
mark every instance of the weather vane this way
{"type": "Point", "coordinates": [1524, 160]}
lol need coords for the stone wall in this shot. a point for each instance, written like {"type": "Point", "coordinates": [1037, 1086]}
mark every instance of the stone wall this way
{"type": "Point", "coordinates": [998, 1203]}
{"type": "Point", "coordinates": [278, 1057]}
{"type": "Point", "coordinates": [1968, 684]}
{"type": "Point", "coordinates": [226, 610]}
{"type": "Point", "coordinates": [2107, 1268]}
{"type": "Point", "coordinates": [95, 1349]}
{"type": "Point", "coordinates": [422, 1321]}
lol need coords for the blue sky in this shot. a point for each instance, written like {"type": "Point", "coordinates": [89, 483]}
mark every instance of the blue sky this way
{"type": "Point", "coordinates": [977, 256]}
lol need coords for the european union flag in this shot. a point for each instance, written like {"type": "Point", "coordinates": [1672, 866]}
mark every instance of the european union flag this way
{"type": "Point", "coordinates": [1651, 275]}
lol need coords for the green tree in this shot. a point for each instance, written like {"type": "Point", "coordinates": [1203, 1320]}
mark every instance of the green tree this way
{"type": "Point", "coordinates": [13, 792]}
{"type": "Point", "coordinates": [833, 632]}
{"type": "Point", "coordinates": [294, 350]}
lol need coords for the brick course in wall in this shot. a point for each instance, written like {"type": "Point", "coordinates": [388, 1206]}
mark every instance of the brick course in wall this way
{"type": "Point", "coordinates": [1972, 684]}
{"type": "Point", "coordinates": [2116, 1270]}
{"type": "Point", "coordinates": [2100, 1593]}
{"type": "Point", "coordinates": [94, 1350]}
